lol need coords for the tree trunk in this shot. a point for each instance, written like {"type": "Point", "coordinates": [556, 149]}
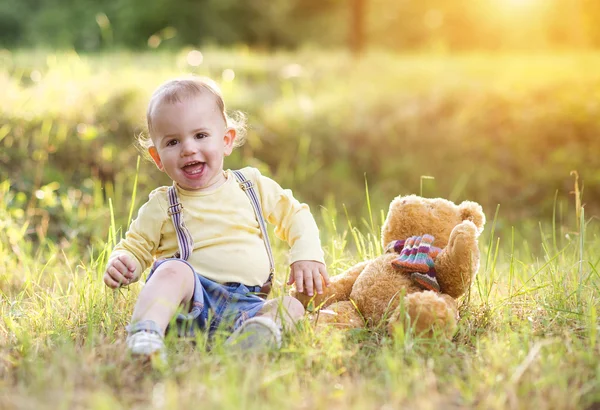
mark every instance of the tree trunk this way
{"type": "Point", "coordinates": [357, 26]}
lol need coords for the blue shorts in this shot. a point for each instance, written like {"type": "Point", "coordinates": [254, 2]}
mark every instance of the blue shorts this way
{"type": "Point", "coordinates": [215, 305]}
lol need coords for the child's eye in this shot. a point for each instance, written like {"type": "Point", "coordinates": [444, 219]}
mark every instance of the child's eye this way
{"type": "Point", "coordinates": [201, 135]}
{"type": "Point", "coordinates": [170, 143]}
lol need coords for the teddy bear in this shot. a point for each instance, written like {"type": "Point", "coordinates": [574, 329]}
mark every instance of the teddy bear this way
{"type": "Point", "coordinates": [414, 281]}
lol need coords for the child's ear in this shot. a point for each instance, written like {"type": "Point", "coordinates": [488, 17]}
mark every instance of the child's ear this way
{"type": "Point", "coordinates": [228, 140]}
{"type": "Point", "coordinates": [154, 154]}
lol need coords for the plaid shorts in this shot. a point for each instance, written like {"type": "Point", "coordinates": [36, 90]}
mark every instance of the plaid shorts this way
{"type": "Point", "coordinates": [215, 305]}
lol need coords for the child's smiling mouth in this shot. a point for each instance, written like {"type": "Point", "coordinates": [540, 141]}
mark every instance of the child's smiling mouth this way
{"type": "Point", "coordinates": [193, 168]}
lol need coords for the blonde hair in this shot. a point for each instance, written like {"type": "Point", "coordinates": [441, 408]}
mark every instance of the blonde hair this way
{"type": "Point", "coordinates": [179, 89]}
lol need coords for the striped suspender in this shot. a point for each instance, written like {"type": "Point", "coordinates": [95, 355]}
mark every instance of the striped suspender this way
{"type": "Point", "coordinates": [184, 238]}
{"type": "Point", "coordinates": [248, 187]}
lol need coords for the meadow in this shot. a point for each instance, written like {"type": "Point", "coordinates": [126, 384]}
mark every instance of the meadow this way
{"type": "Point", "coordinates": [517, 133]}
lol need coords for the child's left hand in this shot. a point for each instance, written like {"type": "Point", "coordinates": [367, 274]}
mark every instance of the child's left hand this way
{"type": "Point", "coordinates": [309, 275]}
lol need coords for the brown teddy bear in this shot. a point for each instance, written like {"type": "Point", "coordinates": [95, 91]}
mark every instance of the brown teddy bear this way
{"type": "Point", "coordinates": [424, 279]}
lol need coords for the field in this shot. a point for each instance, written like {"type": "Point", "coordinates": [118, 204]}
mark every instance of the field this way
{"type": "Point", "coordinates": [517, 133]}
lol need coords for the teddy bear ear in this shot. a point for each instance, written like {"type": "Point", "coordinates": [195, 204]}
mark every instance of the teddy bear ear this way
{"type": "Point", "coordinates": [473, 212]}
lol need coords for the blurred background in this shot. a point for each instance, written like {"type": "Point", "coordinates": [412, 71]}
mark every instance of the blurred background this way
{"type": "Point", "coordinates": [396, 25]}
{"type": "Point", "coordinates": [496, 101]}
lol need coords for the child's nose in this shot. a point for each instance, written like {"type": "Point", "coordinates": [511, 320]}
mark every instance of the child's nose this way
{"type": "Point", "coordinates": [189, 147]}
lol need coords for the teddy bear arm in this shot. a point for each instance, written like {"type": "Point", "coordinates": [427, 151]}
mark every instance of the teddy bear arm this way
{"type": "Point", "coordinates": [338, 290]}
{"type": "Point", "coordinates": [458, 262]}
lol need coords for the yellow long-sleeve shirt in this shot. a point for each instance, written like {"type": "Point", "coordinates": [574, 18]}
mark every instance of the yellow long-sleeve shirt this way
{"type": "Point", "coordinates": [228, 244]}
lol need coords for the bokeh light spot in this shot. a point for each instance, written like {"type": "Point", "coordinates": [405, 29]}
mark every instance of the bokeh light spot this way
{"type": "Point", "coordinates": [228, 75]}
{"type": "Point", "coordinates": [154, 41]}
{"type": "Point", "coordinates": [35, 76]}
{"type": "Point", "coordinates": [194, 58]}
{"type": "Point", "coordinates": [291, 71]}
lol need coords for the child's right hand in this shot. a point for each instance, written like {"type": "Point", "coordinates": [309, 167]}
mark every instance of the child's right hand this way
{"type": "Point", "coordinates": [120, 271]}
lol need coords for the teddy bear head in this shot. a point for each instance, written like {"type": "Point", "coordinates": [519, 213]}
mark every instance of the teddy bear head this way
{"type": "Point", "coordinates": [414, 215]}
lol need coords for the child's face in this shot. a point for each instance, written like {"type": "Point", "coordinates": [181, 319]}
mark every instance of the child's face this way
{"type": "Point", "coordinates": [190, 141]}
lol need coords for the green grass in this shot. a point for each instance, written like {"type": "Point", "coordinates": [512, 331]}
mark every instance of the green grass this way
{"type": "Point", "coordinates": [529, 333]}
{"type": "Point", "coordinates": [528, 337]}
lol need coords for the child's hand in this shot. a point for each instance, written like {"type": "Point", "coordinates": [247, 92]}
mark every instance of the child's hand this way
{"type": "Point", "coordinates": [119, 271]}
{"type": "Point", "coordinates": [309, 275]}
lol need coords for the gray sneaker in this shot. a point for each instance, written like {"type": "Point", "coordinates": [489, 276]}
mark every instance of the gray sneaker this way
{"type": "Point", "coordinates": [256, 334]}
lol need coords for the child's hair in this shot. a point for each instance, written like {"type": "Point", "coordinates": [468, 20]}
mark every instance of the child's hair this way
{"type": "Point", "coordinates": [179, 89]}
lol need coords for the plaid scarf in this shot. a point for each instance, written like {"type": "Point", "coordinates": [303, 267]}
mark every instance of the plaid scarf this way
{"type": "Point", "coordinates": [417, 255]}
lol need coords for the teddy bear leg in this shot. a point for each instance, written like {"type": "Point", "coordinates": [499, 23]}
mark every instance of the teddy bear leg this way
{"type": "Point", "coordinates": [338, 290]}
{"type": "Point", "coordinates": [341, 315]}
{"type": "Point", "coordinates": [428, 313]}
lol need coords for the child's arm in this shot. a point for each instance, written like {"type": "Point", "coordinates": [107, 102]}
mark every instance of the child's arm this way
{"type": "Point", "coordinates": [135, 252]}
{"type": "Point", "coordinates": [294, 224]}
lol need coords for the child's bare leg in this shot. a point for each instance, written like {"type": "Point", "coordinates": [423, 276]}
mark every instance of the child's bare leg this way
{"type": "Point", "coordinates": [285, 311]}
{"type": "Point", "coordinates": [171, 285]}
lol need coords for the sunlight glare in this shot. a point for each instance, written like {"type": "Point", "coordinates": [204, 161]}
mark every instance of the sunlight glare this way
{"type": "Point", "coordinates": [516, 13]}
{"type": "Point", "coordinates": [516, 4]}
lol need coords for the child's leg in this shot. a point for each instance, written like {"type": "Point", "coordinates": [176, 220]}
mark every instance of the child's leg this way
{"type": "Point", "coordinates": [285, 311]}
{"type": "Point", "coordinates": [171, 285]}
{"type": "Point", "coordinates": [263, 331]}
